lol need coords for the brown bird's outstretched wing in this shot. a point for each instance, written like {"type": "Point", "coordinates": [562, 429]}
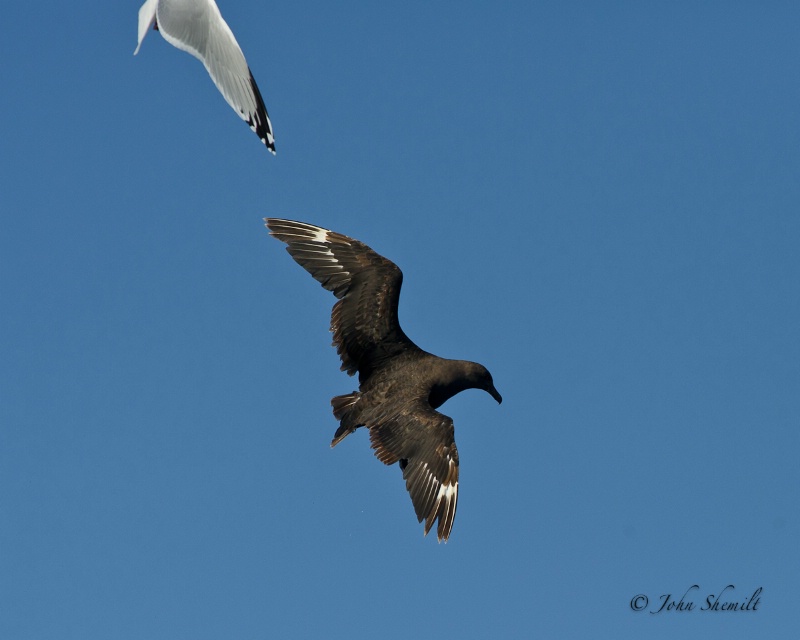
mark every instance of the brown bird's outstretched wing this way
{"type": "Point", "coordinates": [364, 321]}
{"type": "Point", "coordinates": [422, 441]}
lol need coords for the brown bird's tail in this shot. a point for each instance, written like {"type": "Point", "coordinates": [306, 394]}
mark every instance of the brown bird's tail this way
{"type": "Point", "coordinates": [343, 411]}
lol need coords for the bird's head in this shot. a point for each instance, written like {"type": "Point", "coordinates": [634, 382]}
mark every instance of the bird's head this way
{"type": "Point", "coordinates": [482, 379]}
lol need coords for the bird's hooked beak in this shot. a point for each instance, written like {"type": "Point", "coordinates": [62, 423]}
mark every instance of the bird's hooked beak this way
{"type": "Point", "coordinates": [493, 392]}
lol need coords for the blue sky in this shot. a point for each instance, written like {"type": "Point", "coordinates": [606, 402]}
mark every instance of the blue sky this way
{"type": "Point", "coordinates": [598, 204]}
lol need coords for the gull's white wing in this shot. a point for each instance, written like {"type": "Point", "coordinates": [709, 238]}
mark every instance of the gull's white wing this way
{"type": "Point", "coordinates": [147, 15]}
{"type": "Point", "coordinates": [197, 27]}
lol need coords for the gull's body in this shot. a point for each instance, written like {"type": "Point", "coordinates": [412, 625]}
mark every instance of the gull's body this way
{"type": "Point", "coordinates": [197, 27]}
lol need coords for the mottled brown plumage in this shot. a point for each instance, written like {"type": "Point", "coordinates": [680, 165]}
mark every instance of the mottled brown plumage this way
{"type": "Point", "coordinates": [400, 385]}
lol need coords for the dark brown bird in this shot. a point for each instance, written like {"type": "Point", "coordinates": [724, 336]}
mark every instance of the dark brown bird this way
{"type": "Point", "coordinates": [400, 385]}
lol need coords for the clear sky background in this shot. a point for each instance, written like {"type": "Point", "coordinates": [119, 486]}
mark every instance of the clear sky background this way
{"type": "Point", "coordinates": [600, 204]}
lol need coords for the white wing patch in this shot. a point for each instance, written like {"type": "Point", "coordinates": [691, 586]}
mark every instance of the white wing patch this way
{"type": "Point", "coordinates": [444, 506]}
{"type": "Point", "coordinates": [308, 232]}
{"type": "Point", "coordinates": [318, 239]}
